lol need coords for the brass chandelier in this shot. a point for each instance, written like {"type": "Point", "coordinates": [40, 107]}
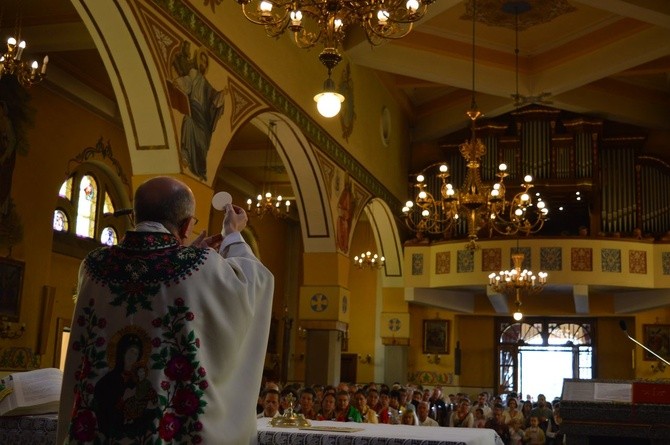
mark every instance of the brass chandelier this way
{"type": "Point", "coordinates": [313, 22]}
{"type": "Point", "coordinates": [369, 259]}
{"type": "Point", "coordinates": [268, 202]}
{"type": "Point", "coordinates": [483, 205]}
{"type": "Point", "coordinates": [515, 281]}
{"type": "Point", "coordinates": [27, 74]}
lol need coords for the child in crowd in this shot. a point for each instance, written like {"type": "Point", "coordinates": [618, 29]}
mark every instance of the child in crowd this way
{"type": "Point", "coordinates": [534, 434]}
{"type": "Point", "coordinates": [409, 418]}
{"type": "Point", "coordinates": [480, 420]}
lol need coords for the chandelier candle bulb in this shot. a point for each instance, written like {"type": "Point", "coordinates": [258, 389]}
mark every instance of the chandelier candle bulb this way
{"type": "Point", "coordinates": [19, 53]}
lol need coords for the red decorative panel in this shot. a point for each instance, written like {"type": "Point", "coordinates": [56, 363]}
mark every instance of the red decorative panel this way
{"type": "Point", "coordinates": [581, 259]}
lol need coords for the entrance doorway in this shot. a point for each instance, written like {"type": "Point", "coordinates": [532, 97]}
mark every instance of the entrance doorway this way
{"type": "Point", "coordinates": [543, 369]}
{"type": "Point", "coordinates": [534, 356]}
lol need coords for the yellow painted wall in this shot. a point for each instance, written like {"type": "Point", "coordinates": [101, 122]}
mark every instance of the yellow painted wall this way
{"type": "Point", "coordinates": [363, 316]}
{"type": "Point", "coordinates": [62, 130]}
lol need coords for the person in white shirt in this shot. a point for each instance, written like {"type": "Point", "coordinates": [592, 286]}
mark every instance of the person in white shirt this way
{"type": "Point", "coordinates": [422, 412]}
{"type": "Point", "coordinates": [482, 403]}
{"type": "Point", "coordinates": [270, 404]}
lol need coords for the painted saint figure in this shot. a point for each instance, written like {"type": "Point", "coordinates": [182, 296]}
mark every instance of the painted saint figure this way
{"type": "Point", "coordinates": [205, 107]}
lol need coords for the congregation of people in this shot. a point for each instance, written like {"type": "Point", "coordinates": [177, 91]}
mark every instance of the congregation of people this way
{"type": "Point", "coordinates": [516, 422]}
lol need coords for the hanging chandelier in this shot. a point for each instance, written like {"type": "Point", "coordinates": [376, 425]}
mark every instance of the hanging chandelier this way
{"type": "Point", "coordinates": [27, 74]}
{"type": "Point", "coordinates": [482, 205]}
{"type": "Point", "coordinates": [515, 281]}
{"type": "Point", "coordinates": [267, 202]}
{"type": "Point", "coordinates": [368, 259]}
{"type": "Point", "coordinates": [324, 22]}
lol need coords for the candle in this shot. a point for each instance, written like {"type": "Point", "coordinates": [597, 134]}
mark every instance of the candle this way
{"type": "Point", "coordinates": [22, 46]}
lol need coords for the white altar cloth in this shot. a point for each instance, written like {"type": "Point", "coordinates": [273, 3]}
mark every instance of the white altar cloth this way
{"type": "Point", "coordinates": [375, 434]}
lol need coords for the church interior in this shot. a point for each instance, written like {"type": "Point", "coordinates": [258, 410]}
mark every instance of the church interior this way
{"type": "Point", "coordinates": [575, 93]}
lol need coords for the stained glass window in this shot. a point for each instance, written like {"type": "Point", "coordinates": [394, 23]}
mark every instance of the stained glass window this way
{"type": "Point", "coordinates": [109, 236]}
{"type": "Point", "coordinates": [108, 206]}
{"type": "Point", "coordinates": [86, 207]}
{"type": "Point", "coordinates": [85, 210]}
{"type": "Point", "coordinates": [66, 189]}
{"type": "Point", "coordinates": [60, 221]}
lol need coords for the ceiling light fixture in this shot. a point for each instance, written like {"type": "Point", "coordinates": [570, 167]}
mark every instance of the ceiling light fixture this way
{"type": "Point", "coordinates": [268, 202]}
{"type": "Point", "coordinates": [481, 204]}
{"type": "Point", "coordinates": [515, 281]}
{"type": "Point", "coordinates": [324, 22]}
{"type": "Point", "coordinates": [368, 259]}
{"type": "Point", "coordinates": [27, 74]}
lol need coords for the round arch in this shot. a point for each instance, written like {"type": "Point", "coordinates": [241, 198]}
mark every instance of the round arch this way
{"type": "Point", "coordinates": [387, 239]}
{"type": "Point", "coordinates": [302, 168]}
{"type": "Point", "coordinates": [138, 87]}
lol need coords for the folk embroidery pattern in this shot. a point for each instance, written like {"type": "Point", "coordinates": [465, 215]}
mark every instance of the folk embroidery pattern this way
{"type": "Point", "coordinates": [115, 400]}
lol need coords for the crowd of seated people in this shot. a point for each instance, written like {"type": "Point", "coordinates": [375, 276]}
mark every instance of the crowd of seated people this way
{"type": "Point", "coordinates": [516, 423]}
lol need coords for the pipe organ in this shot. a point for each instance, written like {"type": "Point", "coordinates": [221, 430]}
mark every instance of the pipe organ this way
{"type": "Point", "coordinates": [620, 188]}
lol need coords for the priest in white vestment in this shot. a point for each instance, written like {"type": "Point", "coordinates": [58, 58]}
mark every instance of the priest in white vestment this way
{"type": "Point", "coordinates": [168, 341]}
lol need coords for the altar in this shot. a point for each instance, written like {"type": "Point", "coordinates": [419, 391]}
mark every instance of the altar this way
{"type": "Point", "coordinates": [333, 433]}
{"type": "Point", "coordinates": [41, 430]}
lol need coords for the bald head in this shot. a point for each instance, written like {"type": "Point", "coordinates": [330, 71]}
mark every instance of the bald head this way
{"type": "Point", "coordinates": [165, 200]}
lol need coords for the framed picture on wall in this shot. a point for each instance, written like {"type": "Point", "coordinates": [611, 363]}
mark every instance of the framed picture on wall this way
{"type": "Point", "coordinates": [436, 336]}
{"type": "Point", "coordinates": [657, 338]}
{"type": "Point", "coordinates": [11, 286]}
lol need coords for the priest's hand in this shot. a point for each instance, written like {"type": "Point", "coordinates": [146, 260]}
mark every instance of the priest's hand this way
{"type": "Point", "coordinates": [203, 240]}
{"type": "Point", "coordinates": [235, 219]}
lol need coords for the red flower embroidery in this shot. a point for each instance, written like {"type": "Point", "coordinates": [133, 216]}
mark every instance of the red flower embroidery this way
{"type": "Point", "coordinates": [84, 426]}
{"type": "Point", "coordinates": [169, 426]}
{"type": "Point", "coordinates": [178, 368]}
{"type": "Point", "coordinates": [179, 302]}
{"type": "Point", "coordinates": [156, 322]}
{"type": "Point", "coordinates": [202, 372]}
{"type": "Point", "coordinates": [102, 323]}
{"type": "Point", "coordinates": [190, 316]}
{"type": "Point", "coordinates": [185, 402]}
{"type": "Point", "coordinates": [165, 385]}
{"type": "Point", "coordinates": [156, 342]}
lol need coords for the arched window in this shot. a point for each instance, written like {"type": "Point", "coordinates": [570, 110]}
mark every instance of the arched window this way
{"type": "Point", "coordinates": [84, 214]}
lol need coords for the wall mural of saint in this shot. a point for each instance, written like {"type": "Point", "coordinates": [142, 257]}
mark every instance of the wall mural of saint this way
{"type": "Point", "coordinates": [202, 105]}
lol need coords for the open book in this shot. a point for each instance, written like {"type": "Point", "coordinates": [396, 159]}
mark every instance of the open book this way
{"type": "Point", "coordinates": [31, 392]}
